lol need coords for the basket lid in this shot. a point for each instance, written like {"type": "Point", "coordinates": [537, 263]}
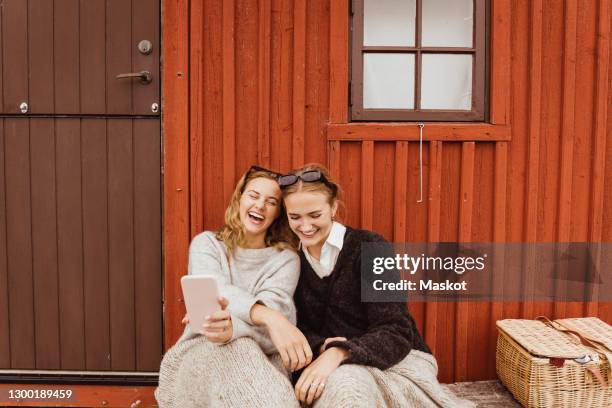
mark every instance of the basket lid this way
{"type": "Point", "coordinates": [542, 340]}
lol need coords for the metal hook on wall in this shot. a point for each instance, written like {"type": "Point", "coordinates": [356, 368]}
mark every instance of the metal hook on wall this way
{"type": "Point", "coordinates": [421, 126]}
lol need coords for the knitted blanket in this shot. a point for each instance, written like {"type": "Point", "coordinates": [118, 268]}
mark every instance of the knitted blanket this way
{"type": "Point", "coordinates": [198, 373]}
{"type": "Point", "coordinates": [410, 383]}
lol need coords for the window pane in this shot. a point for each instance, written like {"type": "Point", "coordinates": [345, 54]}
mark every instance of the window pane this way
{"type": "Point", "coordinates": [447, 23]}
{"type": "Point", "coordinates": [389, 22]}
{"type": "Point", "coordinates": [388, 81]}
{"type": "Point", "coordinates": [446, 81]}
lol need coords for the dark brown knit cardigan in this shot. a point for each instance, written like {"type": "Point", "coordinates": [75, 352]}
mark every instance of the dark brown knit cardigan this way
{"type": "Point", "coordinates": [379, 334]}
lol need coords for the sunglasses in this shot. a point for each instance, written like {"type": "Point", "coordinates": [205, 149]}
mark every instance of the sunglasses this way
{"type": "Point", "coordinates": [310, 176]}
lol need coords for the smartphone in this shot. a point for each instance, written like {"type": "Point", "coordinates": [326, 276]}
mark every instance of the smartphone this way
{"type": "Point", "coordinates": [201, 296]}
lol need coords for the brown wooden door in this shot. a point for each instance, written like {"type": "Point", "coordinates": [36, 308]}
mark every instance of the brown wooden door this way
{"type": "Point", "coordinates": [80, 178]}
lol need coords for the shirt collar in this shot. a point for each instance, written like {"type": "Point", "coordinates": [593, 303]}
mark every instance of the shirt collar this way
{"type": "Point", "coordinates": [335, 237]}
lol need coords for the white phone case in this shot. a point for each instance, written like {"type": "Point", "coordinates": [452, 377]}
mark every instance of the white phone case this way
{"type": "Point", "coordinates": [200, 293]}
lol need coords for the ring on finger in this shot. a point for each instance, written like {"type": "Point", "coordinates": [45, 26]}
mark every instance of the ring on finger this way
{"type": "Point", "coordinates": [317, 385]}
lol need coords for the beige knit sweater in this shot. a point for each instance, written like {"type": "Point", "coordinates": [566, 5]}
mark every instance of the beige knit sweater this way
{"type": "Point", "coordinates": [268, 276]}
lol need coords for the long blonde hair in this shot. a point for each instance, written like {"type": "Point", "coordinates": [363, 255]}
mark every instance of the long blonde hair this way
{"type": "Point", "coordinates": [232, 233]}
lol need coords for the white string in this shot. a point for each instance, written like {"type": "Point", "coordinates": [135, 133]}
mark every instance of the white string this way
{"type": "Point", "coordinates": [421, 126]}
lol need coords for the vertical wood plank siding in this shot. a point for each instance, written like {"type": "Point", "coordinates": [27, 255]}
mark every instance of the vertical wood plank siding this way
{"type": "Point", "coordinates": [262, 91]}
{"type": "Point", "coordinates": [5, 340]}
{"type": "Point", "coordinates": [176, 144]}
{"type": "Point", "coordinates": [44, 231]}
{"type": "Point", "coordinates": [433, 232]}
{"type": "Point", "coordinates": [95, 241]}
{"type": "Point", "coordinates": [299, 82]}
{"type": "Point", "coordinates": [229, 99]}
{"type": "Point", "coordinates": [599, 144]}
{"type": "Point", "coordinates": [263, 83]}
{"type": "Point", "coordinates": [69, 243]}
{"type": "Point", "coordinates": [146, 163]}
{"type": "Point", "coordinates": [18, 242]}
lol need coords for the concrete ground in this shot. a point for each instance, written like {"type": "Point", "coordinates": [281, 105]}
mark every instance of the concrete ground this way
{"type": "Point", "coordinates": [485, 394]}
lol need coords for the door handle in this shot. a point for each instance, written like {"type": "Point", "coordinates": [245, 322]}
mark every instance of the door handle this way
{"type": "Point", "coordinates": [144, 76]}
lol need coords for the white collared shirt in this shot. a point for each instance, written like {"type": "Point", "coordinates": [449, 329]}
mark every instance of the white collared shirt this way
{"type": "Point", "coordinates": [329, 251]}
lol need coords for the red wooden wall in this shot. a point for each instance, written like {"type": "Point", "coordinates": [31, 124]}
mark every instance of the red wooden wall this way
{"type": "Point", "coordinates": [266, 82]}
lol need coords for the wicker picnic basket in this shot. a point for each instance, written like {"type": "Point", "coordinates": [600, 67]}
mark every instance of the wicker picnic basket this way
{"type": "Point", "coordinates": [565, 363]}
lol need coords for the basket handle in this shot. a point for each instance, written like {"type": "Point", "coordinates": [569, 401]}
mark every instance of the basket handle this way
{"type": "Point", "coordinates": [596, 344]}
{"type": "Point", "coordinates": [585, 340]}
{"type": "Point", "coordinates": [595, 373]}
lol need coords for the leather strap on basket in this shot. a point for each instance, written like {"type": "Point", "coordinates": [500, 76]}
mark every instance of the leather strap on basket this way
{"type": "Point", "coordinates": [584, 339]}
{"type": "Point", "coordinates": [587, 341]}
{"type": "Point", "coordinates": [597, 374]}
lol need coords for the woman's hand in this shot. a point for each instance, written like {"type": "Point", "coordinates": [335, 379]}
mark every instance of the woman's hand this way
{"type": "Point", "coordinates": [312, 381]}
{"type": "Point", "coordinates": [218, 327]}
{"type": "Point", "coordinates": [329, 340]}
{"type": "Point", "coordinates": [288, 339]}
{"type": "Point", "coordinates": [290, 343]}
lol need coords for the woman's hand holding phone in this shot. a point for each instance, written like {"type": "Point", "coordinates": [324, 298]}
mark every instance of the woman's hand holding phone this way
{"type": "Point", "coordinates": [218, 326]}
{"type": "Point", "coordinates": [288, 339]}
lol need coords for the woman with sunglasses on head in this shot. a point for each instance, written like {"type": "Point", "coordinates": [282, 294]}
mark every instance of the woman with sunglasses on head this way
{"type": "Point", "coordinates": [237, 358]}
{"type": "Point", "coordinates": [366, 354]}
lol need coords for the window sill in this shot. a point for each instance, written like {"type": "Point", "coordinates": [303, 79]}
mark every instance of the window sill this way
{"type": "Point", "coordinates": [409, 131]}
